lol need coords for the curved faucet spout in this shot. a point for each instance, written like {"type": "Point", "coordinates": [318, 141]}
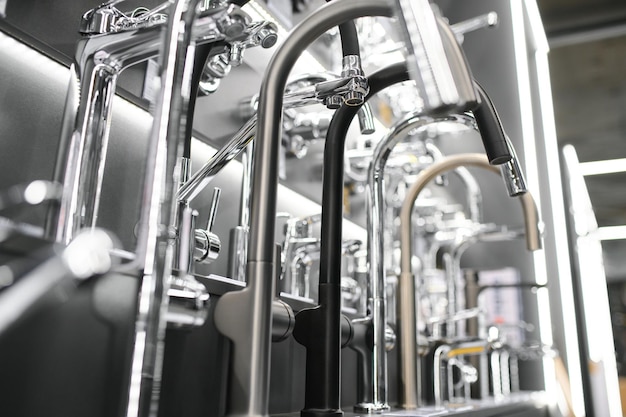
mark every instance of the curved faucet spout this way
{"type": "Point", "coordinates": [250, 329]}
{"type": "Point", "coordinates": [407, 302]}
{"type": "Point", "coordinates": [376, 249]}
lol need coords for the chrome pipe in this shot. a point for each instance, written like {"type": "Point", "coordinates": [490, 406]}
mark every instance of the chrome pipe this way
{"type": "Point", "coordinates": [239, 234]}
{"type": "Point", "coordinates": [86, 123]}
{"type": "Point", "coordinates": [407, 303]}
{"type": "Point", "coordinates": [154, 248]}
{"type": "Point", "coordinates": [375, 223]}
{"type": "Point", "coordinates": [227, 153]}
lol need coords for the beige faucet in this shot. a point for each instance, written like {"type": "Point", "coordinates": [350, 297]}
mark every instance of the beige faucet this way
{"type": "Point", "coordinates": [407, 317]}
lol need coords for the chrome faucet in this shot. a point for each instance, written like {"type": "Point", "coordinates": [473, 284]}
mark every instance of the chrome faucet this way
{"type": "Point", "coordinates": [113, 41]}
{"type": "Point", "coordinates": [375, 223]}
{"type": "Point", "coordinates": [452, 352]}
{"type": "Point", "coordinates": [299, 242]}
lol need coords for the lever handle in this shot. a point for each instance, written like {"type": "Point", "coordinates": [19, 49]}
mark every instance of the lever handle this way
{"type": "Point", "coordinates": [215, 201]}
{"type": "Point", "coordinates": [208, 244]}
{"type": "Point", "coordinates": [487, 20]}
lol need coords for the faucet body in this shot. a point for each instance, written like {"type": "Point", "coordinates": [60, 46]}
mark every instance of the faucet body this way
{"type": "Point", "coordinates": [376, 249]}
{"type": "Point", "coordinates": [407, 283]}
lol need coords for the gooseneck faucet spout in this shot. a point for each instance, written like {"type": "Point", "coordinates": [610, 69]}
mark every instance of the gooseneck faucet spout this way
{"type": "Point", "coordinates": [375, 223]}
{"type": "Point", "coordinates": [249, 329]}
{"type": "Point", "coordinates": [407, 304]}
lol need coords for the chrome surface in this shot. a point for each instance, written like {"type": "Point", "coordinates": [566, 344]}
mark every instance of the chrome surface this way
{"type": "Point", "coordinates": [238, 247]}
{"type": "Point", "coordinates": [446, 352]}
{"type": "Point", "coordinates": [298, 248]}
{"type": "Point", "coordinates": [154, 247]}
{"type": "Point", "coordinates": [188, 305]}
{"type": "Point", "coordinates": [512, 173]}
{"type": "Point", "coordinates": [207, 244]}
{"type": "Point", "coordinates": [227, 153]}
{"type": "Point", "coordinates": [366, 119]}
{"type": "Point", "coordinates": [487, 20]}
{"type": "Point", "coordinates": [375, 190]}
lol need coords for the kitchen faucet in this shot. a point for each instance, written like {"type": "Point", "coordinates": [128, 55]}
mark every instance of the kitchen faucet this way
{"type": "Point", "coordinates": [407, 303]}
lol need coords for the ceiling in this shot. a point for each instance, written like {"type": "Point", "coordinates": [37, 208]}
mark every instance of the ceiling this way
{"type": "Point", "coordinates": [587, 67]}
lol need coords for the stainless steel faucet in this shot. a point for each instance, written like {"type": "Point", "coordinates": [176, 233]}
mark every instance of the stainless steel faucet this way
{"type": "Point", "coordinates": [249, 327]}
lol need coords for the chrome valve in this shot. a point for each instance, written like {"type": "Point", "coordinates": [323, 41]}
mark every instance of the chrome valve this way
{"type": "Point", "coordinates": [351, 89]}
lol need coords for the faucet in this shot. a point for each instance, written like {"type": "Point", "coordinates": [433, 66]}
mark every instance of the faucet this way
{"type": "Point", "coordinates": [154, 248]}
{"type": "Point", "coordinates": [298, 244]}
{"type": "Point", "coordinates": [250, 392]}
{"type": "Point", "coordinates": [112, 41]}
{"type": "Point", "coordinates": [451, 352]}
{"type": "Point", "coordinates": [407, 282]}
{"type": "Point", "coordinates": [375, 223]}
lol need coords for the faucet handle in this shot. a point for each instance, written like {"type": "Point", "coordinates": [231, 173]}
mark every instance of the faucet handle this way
{"type": "Point", "coordinates": [215, 201]}
{"type": "Point", "coordinates": [208, 244]}
{"type": "Point", "coordinates": [487, 20]}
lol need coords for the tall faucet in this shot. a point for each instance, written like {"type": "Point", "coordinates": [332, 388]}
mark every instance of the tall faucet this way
{"type": "Point", "coordinates": [154, 248]}
{"type": "Point", "coordinates": [249, 387]}
{"type": "Point", "coordinates": [408, 352]}
{"type": "Point", "coordinates": [375, 223]}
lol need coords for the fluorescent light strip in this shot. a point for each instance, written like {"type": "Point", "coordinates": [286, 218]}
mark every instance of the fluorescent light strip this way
{"type": "Point", "coordinates": [608, 166]}
{"type": "Point", "coordinates": [530, 152]}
